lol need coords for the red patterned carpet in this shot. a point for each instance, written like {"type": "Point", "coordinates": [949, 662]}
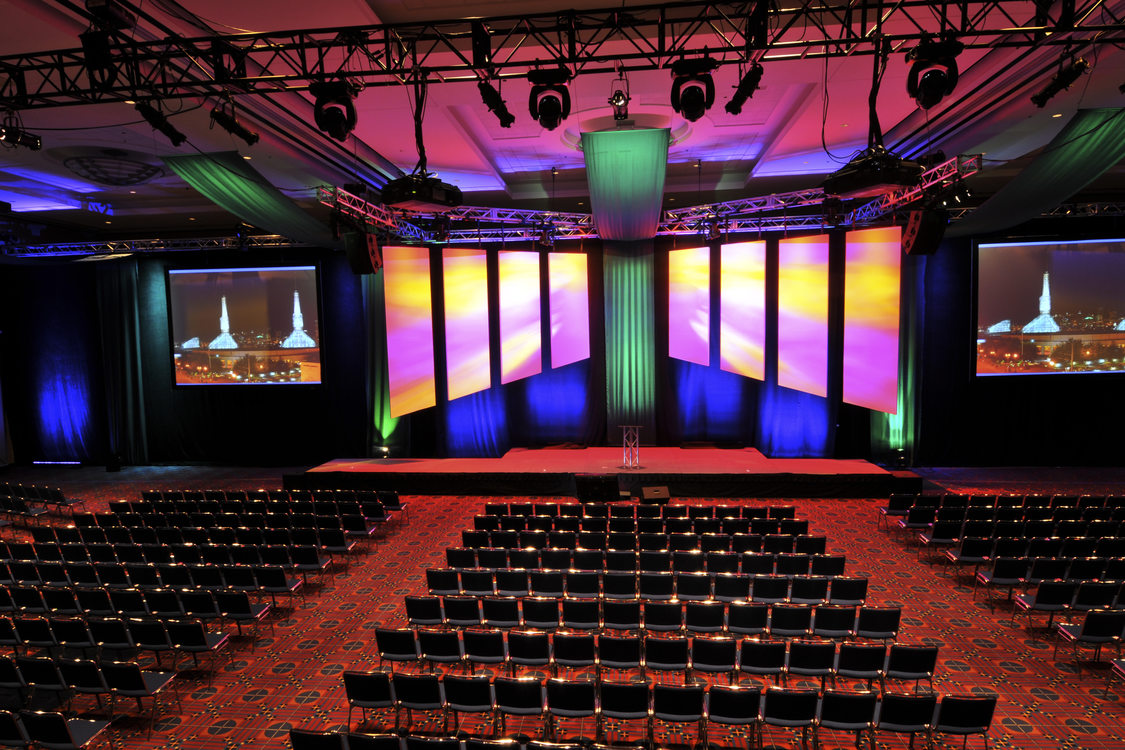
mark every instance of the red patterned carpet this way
{"type": "Point", "coordinates": [291, 677]}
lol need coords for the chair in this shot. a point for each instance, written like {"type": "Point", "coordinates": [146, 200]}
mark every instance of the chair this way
{"type": "Point", "coordinates": [150, 635]}
{"type": "Point", "coordinates": [500, 612]}
{"type": "Point", "coordinates": [1098, 627]}
{"type": "Point", "coordinates": [965, 715]}
{"type": "Point", "coordinates": [1050, 597]}
{"type": "Point", "coordinates": [547, 583]}
{"type": "Point", "coordinates": [518, 696]}
{"type": "Point", "coordinates": [461, 611]}
{"type": "Point", "coordinates": [440, 647]}
{"type": "Point", "coordinates": [715, 656]}
{"type": "Point", "coordinates": [540, 612]}
{"type": "Point", "coordinates": [809, 590]}
{"type": "Point", "coordinates": [484, 647]}
{"type": "Point", "coordinates": [847, 712]}
{"type": "Point", "coordinates": [528, 649]}
{"type": "Point", "coordinates": [848, 590]}
{"type": "Point", "coordinates": [907, 714]}
{"type": "Point", "coordinates": [304, 739]}
{"type": "Point", "coordinates": [396, 645]}
{"type": "Point", "coordinates": [581, 614]}
{"type": "Point", "coordinates": [12, 731]}
{"type": "Point", "coordinates": [664, 616]}
{"type": "Point", "coordinates": [880, 623]}
{"type": "Point", "coordinates": [861, 661]}
{"type": "Point", "coordinates": [680, 704]}
{"type": "Point", "coordinates": [416, 692]}
{"type": "Point", "coordinates": [575, 651]}
{"type": "Point", "coordinates": [906, 662]}
{"type": "Point", "coordinates": [748, 618]}
{"type": "Point", "coordinates": [193, 638]}
{"type": "Point", "coordinates": [40, 673]}
{"type": "Point", "coordinates": [424, 611]}
{"type": "Point", "coordinates": [811, 659]}
{"type": "Point", "coordinates": [762, 658]}
{"type": "Point", "coordinates": [569, 699]}
{"type": "Point", "coordinates": [790, 621]}
{"type": "Point", "coordinates": [236, 607]}
{"type": "Point", "coordinates": [667, 655]}
{"type": "Point", "coordinates": [467, 694]}
{"type": "Point", "coordinates": [734, 705]}
{"type": "Point", "coordinates": [790, 709]}
{"type": "Point", "coordinates": [621, 614]}
{"type": "Point", "coordinates": [770, 589]}
{"type": "Point", "coordinates": [366, 690]}
{"type": "Point", "coordinates": [357, 741]}
{"type": "Point", "coordinates": [54, 731]}
{"type": "Point", "coordinates": [624, 701]}
{"type": "Point", "coordinates": [619, 652]}
{"type": "Point", "coordinates": [834, 621]}
{"type": "Point", "coordinates": [126, 680]}
{"type": "Point", "coordinates": [1006, 572]}
{"type": "Point", "coordinates": [705, 617]}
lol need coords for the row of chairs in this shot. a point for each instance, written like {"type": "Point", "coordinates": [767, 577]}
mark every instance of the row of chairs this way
{"type": "Point", "coordinates": [226, 521]}
{"type": "Point", "coordinates": [728, 526]}
{"type": "Point", "coordinates": [48, 729]}
{"type": "Point", "coordinates": [39, 494]}
{"type": "Point", "coordinates": [1022, 572]}
{"type": "Point", "coordinates": [18, 510]}
{"type": "Point", "coordinates": [652, 586]}
{"type": "Point", "coordinates": [976, 551]}
{"type": "Point", "coordinates": [914, 523]}
{"type": "Point", "coordinates": [132, 602]}
{"type": "Point", "coordinates": [557, 700]}
{"type": "Point", "coordinates": [781, 619]}
{"type": "Point", "coordinates": [156, 495]}
{"type": "Point", "coordinates": [634, 510]}
{"type": "Point", "coordinates": [1068, 598]}
{"type": "Point", "coordinates": [191, 536]}
{"type": "Point", "coordinates": [677, 561]}
{"type": "Point", "coordinates": [644, 541]}
{"type": "Point", "coordinates": [778, 659]}
{"type": "Point", "coordinates": [289, 556]}
{"type": "Point", "coordinates": [1003, 508]}
{"type": "Point", "coordinates": [119, 512]}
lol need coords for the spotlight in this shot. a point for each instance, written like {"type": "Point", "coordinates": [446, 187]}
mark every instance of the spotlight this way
{"type": "Point", "coordinates": [546, 234]}
{"type": "Point", "coordinates": [110, 14]}
{"type": "Point", "coordinates": [549, 102]}
{"type": "Point", "coordinates": [495, 103]}
{"type": "Point", "coordinates": [12, 135]}
{"type": "Point", "coordinates": [619, 98]}
{"type": "Point", "coordinates": [158, 121]}
{"type": "Point", "coordinates": [1061, 81]}
{"type": "Point", "coordinates": [228, 122]}
{"type": "Point", "coordinates": [933, 75]}
{"type": "Point", "coordinates": [745, 89]}
{"type": "Point", "coordinates": [334, 110]}
{"type": "Point", "coordinates": [693, 89]}
{"type": "Point", "coordinates": [98, 58]}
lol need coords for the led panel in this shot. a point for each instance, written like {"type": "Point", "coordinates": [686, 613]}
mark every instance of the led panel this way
{"type": "Point", "coordinates": [689, 305]}
{"type": "Point", "coordinates": [802, 314]}
{"type": "Point", "coordinates": [569, 303]}
{"type": "Point", "coordinates": [467, 362]}
{"type": "Point", "coordinates": [742, 309]}
{"type": "Point", "coordinates": [521, 338]}
{"type": "Point", "coordinates": [871, 314]}
{"type": "Point", "coordinates": [410, 334]}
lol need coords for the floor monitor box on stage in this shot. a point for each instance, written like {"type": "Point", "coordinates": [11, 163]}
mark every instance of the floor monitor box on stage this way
{"type": "Point", "coordinates": [655, 495]}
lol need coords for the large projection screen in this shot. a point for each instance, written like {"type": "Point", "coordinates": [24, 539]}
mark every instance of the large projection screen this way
{"type": "Point", "coordinates": [802, 314]}
{"type": "Point", "coordinates": [689, 305]}
{"type": "Point", "coordinates": [521, 335]}
{"type": "Point", "coordinates": [872, 261]}
{"type": "Point", "coordinates": [465, 280]}
{"type": "Point", "coordinates": [410, 333]}
{"type": "Point", "coordinates": [569, 305]}
{"type": "Point", "coordinates": [742, 309]}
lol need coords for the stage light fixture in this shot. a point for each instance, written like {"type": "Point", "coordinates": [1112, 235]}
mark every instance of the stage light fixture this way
{"type": "Point", "coordinates": [158, 121]}
{"type": "Point", "coordinates": [111, 14]}
{"type": "Point", "coordinates": [495, 103]}
{"type": "Point", "coordinates": [693, 88]}
{"type": "Point", "coordinates": [98, 58]}
{"type": "Point", "coordinates": [933, 76]}
{"type": "Point", "coordinates": [745, 89]}
{"type": "Point", "coordinates": [334, 110]}
{"type": "Point", "coordinates": [619, 96]}
{"type": "Point", "coordinates": [13, 135]}
{"type": "Point", "coordinates": [549, 101]}
{"type": "Point", "coordinates": [227, 121]}
{"type": "Point", "coordinates": [1061, 81]}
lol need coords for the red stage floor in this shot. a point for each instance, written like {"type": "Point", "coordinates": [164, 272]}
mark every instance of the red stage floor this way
{"type": "Point", "coordinates": [609, 461]}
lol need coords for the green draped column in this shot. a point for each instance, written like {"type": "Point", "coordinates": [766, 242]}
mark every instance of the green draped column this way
{"type": "Point", "coordinates": [630, 338]}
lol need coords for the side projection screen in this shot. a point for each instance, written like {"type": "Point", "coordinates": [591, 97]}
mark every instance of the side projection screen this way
{"type": "Point", "coordinates": [1050, 307]}
{"type": "Point", "coordinates": [245, 326]}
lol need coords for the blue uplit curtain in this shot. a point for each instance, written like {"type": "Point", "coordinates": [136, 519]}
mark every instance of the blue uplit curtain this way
{"type": "Point", "coordinates": [556, 406]}
{"type": "Point", "coordinates": [1090, 144]}
{"type": "Point", "coordinates": [711, 405]}
{"type": "Point", "coordinates": [476, 426]}
{"type": "Point", "coordinates": [793, 424]}
{"type": "Point", "coordinates": [228, 181]}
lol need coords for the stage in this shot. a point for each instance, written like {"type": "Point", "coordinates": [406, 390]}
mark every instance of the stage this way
{"type": "Point", "coordinates": [597, 474]}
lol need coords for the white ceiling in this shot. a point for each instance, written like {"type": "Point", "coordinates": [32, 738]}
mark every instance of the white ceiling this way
{"type": "Point", "coordinates": [776, 144]}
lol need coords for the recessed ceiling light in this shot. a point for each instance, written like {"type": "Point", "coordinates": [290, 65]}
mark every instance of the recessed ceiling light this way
{"type": "Point", "coordinates": [191, 218]}
{"type": "Point", "coordinates": [132, 192]}
{"type": "Point", "coordinates": [1057, 114]}
{"type": "Point", "coordinates": [107, 221]}
{"type": "Point", "coordinates": [247, 157]}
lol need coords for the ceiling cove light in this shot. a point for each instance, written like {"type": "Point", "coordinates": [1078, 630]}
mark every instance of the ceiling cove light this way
{"type": "Point", "coordinates": [334, 110]}
{"type": "Point", "coordinates": [154, 117]}
{"type": "Point", "coordinates": [933, 76]}
{"type": "Point", "coordinates": [495, 103]}
{"type": "Point", "coordinates": [549, 102]}
{"type": "Point", "coordinates": [747, 85]}
{"type": "Point", "coordinates": [693, 88]}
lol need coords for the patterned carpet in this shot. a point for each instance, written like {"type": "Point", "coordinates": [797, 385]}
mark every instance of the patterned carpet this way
{"type": "Point", "coordinates": [291, 677]}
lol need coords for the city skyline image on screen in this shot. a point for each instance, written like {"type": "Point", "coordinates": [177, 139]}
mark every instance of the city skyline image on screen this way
{"type": "Point", "coordinates": [245, 326]}
{"type": "Point", "coordinates": [1050, 307]}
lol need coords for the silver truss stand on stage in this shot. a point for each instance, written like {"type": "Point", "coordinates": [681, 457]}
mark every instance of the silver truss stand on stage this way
{"type": "Point", "coordinates": [631, 439]}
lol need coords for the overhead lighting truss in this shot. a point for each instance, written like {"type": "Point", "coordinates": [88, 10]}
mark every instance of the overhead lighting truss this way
{"type": "Point", "coordinates": [592, 41]}
{"type": "Point", "coordinates": [126, 247]}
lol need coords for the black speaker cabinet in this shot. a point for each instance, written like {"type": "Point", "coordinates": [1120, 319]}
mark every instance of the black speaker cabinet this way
{"type": "Point", "coordinates": [655, 495]}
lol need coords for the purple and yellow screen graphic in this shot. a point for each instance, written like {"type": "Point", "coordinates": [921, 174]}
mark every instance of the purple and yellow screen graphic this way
{"type": "Point", "coordinates": [467, 362]}
{"type": "Point", "coordinates": [569, 301]}
{"type": "Point", "coordinates": [410, 333]}
{"type": "Point", "coordinates": [871, 314]}
{"type": "Point", "coordinates": [521, 336]}
{"type": "Point", "coordinates": [802, 314]}
{"type": "Point", "coordinates": [742, 309]}
{"type": "Point", "coordinates": [689, 305]}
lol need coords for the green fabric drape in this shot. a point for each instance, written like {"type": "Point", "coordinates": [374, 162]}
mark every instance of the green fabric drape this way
{"type": "Point", "coordinates": [383, 429]}
{"type": "Point", "coordinates": [1090, 144]}
{"type": "Point", "coordinates": [630, 338]}
{"type": "Point", "coordinates": [118, 288]}
{"type": "Point", "coordinates": [625, 172]}
{"type": "Point", "coordinates": [893, 436]}
{"type": "Point", "coordinates": [232, 184]}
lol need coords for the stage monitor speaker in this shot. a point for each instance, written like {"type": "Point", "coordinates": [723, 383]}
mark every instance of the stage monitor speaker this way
{"type": "Point", "coordinates": [363, 251]}
{"type": "Point", "coordinates": [655, 495]}
{"type": "Point", "coordinates": [923, 231]}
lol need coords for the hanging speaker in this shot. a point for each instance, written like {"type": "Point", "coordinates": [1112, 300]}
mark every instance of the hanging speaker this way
{"type": "Point", "coordinates": [923, 231]}
{"type": "Point", "coordinates": [364, 254]}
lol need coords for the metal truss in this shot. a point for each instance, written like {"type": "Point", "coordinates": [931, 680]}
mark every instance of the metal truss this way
{"type": "Point", "coordinates": [636, 38]}
{"type": "Point", "coordinates": [942, 175]}
{"type": "Point", "coordinates": [126, 247]}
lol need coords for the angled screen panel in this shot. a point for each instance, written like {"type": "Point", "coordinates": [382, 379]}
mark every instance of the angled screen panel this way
{"type": "Point", "coordinates": [570, 308]}
{"type": "Point", "coordinates": [802, 314]}
{"type": "Point", "coordinates": [521, 338]}
{"type": "Point", "coordinates": [410, 332]}
{"type": "Point", "coordinates": [465, 278]}
{"type": "Point", "coordinates": [689, 305]}
{"type": "Point", "coordinates": [742, 309]}
{"type": "Point", "coordinates": [871, 313]}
